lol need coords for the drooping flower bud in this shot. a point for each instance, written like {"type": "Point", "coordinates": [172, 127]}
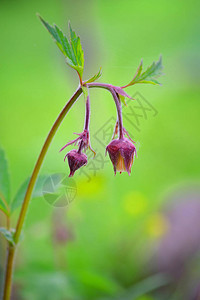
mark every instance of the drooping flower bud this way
{"type": "Point", "coordinates": [75, 161]}
{"type": "Point", "coordinates": [121, 152]}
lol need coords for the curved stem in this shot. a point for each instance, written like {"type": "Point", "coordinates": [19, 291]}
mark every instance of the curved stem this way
{"type": "Point", "coordinates": [11, 249]}
{"type": "Point", "coordinates": [23, 212]}
{"type": "Point", "coordinates": [119, 111]}
{"type": "Point", "coordinates": [111, 88]}
{"type": "Point", "coordinates": [40, 161]}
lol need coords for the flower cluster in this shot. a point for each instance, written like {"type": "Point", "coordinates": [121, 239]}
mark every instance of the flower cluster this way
{"type": "Point", "coordinates": [121, 150]}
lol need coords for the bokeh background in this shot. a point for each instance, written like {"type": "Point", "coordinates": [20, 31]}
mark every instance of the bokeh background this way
{"type": "Point", "coordinates": [122, 237]}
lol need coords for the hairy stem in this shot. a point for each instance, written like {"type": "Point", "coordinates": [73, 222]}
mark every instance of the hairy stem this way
{"type": "Point", "coordinates": [119, 111]}
{"type": "Point", "coordinates": [87, 121]}
{"type": "Point", "coordinates": [87, 113]}
{"type": "Point", "coordinates": [111, 88]}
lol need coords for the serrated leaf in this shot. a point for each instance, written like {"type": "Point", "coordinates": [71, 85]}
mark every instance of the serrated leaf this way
{"type": "Point", "coordinates": [148, 76]}
{"type": "Point", "coordinates": [139, 71]}
{"type": "Point", "coordinates": [8, 235]}
{"type": "Point", "coordinates": [4, 181]}
{"type": "Point", "coordinates": [37, 192]}
{"type": "Point", "coordinates": [95, 77]}
{"type": "Point", "coordinates": [71, 49]}
{"type": "Point", "coordinates": [77, 51]}
{"type": "Point", "coordinates": [64, 42]}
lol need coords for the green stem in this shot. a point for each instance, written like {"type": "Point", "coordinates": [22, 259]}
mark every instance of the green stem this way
{"type": "Point", "coordinates": [11, 249]}
{"type": "Point", "coordinates": [40, 161]}
{"type": "Point", "coordinates": [9, 271]}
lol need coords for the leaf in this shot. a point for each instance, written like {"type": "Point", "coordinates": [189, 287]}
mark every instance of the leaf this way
{"type": "Point", "coordinates": [95, 77]}
{"type": "Point", "coordinates": [3, 207]}
{"type": "Point", "coordinates": [145, 286]}
{"type": "Point", "coordinates": [4, 181]}
{"type": "Point", "coordinates": [123, 99]}
{"type": "Point", "coordinates": [150, 75]}
{"type": "Point", "coordinates": [139, 71]}
{"type": "Point", "coordinates": [121, 92]}
{"type": "Point", "coordinates": [37, 192]}
{"type": "Point", "coordinates": [85, 92]}
{"type": "Point", "coordinates": [8, 235]}
{"type": "Point", "coordinates": [71, 49]}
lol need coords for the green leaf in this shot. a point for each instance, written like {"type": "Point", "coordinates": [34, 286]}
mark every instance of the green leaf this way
{"type": "Point", "coordinates": [8, 235]}
{"type": "Point", "coordinates": [85, 92]}
{"type": "Point", "coordinates": [123, 99]}
{"type": "Point", "coordinates": [150, 75]}
{"type": "Point", "coordinates": [77, 52]}
{"type": "Point", "coordinates": [139, 71]}
{"type": "Point", "coordinates": [3, 207]}
{"type": "Point", "coordinates": [4, 181]}
{"type": "Point", "coordinates": [145, 286]}
{"type": "Point", "coordinates": [63, 41]}
{"type": "Point", "coordinates": [71, 49]}
{"type": "Point", "coordinates": [95, 77]}
{"type": "Point", "coordinates": [37, 192]}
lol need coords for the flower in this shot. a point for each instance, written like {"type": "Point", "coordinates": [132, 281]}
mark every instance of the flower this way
{"type": "Point", "coordinates": [121, 152]}
{"type": "Point", "coordinates": [75, 161]}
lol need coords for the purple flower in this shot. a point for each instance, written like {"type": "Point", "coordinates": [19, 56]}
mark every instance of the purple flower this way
{"type": "Point", "coordinates": [121, 152]}
{"type": "Point", "coordinates": [75, 161]}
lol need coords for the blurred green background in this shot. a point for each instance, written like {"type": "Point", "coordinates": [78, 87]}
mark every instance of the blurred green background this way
{"type": "Point", "coordinates": [122, 237]}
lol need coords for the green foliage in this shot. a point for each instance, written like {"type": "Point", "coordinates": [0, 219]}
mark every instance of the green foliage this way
{"type": "Point", "coordinates": [95, 77]}
{"type": "Point", "coordinates": [150, 75]}
{"type": "Point", "coordinates": [7, 206]}
{"type": "Point", "coordinates": [85, 92]}
{"type": "Point", "coordinates": [37, 192]}
{"type": "Point", "coordinates": [4, 182]}
{"type": "Point", "coordinates": [144, 287]}
{"type": "Point", "coordinates": [71, 48]}
{"type": "Point", "coordinates": [123, 99]}
{"type": "Point", "coordinates": [8, 235]}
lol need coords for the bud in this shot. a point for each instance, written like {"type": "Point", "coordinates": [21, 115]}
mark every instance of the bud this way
{"type": "Point", "coordinates": [121, 152]}
{"type": "Point", "coordinates": [75, 161]}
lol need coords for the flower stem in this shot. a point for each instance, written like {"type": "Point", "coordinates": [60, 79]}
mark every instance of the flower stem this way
{"type": "Point", "coordinates": [9, 270]}
{"type": "Point", "coordinates": [23, 212]}
{"type": "Point", "coordinates": [119, 111]}
{"type": "Point", "coordinates": [111, 88]}
{"type": "Point", "coordinates": [87, 112]}
{"type": "Point", "coordinates": [11, 249]}
{"type": "Point", "coordinates": [87, 121]}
